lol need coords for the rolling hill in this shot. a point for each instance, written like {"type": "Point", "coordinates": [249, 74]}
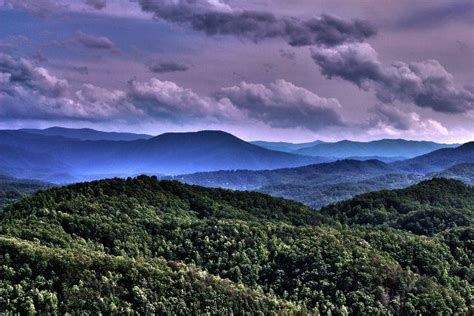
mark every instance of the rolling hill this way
{"type": "Point", "coordinates": [171, 153]}
{"type": "Point", "coordinates": [317, 174]}
{"type": "Point", "coordinates": [141, 246]}
{"type": "Point", "coordinates": [314, 185]}
{"type": "Point", "coordinates": [399, 148]}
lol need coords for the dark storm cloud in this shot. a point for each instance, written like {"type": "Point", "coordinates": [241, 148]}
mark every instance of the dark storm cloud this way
{"type": "Point", "coordinates": [93, 41]}
{"type": "Point", "coordinates": [426, 83]}
{"type": "Point", "coordinates": [216, 18]}
{"type": "Point", "coordinates": [167, 66]}
{"type": "Point", "coordinates": [97, 4]}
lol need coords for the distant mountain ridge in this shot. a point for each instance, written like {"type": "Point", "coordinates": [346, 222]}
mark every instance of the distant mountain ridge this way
{"type": "Point", "coordinates": [382, 148]}
{"type": "Point", "coordinates": [86, 134]}
{"type": "Point", "coordinates": [285, 146]}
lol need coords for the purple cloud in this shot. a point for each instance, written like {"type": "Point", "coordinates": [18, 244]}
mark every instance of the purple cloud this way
{"type": "Point", "coordinates": [167, 66]}
{"type": "Point", "coordinates": [284, 105]}
{"type": "Point", "coordinates": [217, 18]}
{"type": "Point", "coordinates": [40, 8]}
{"type": "Point", "coordinates": [97, 4]}
{"type": "Point", "coordinates": [93, 41]}
{"type": "Point", "coordinates": [426, 83]}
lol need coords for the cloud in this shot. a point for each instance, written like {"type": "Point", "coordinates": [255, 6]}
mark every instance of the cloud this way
{"type": "Point", "coordinates": [167, 100]}
{"type": "Point", "coordinates": [284, 105]}
{"type": "Point", "coordinates": [82, 70]}
{"type": "Point", "coordinates": [167, 66]}
{"type": "Point", "coordinates": [214, 17]}
{"type": "Point", "coordinates": [288, 54]}
{"type": "Point", "coordinates": [427, 83]}
{"type": "Point", "coordinates": [97, 4]}
{"type": "Point", "coordinates": [21, 73]}
{"type": "Point", "coordinates": [93, 41]}
{"type": "Point", "coordinates": [40, 8]}
{"type": "Point", "coordinates": [393, 121]}
{"type": "Point", "coordinates": [31, 92]}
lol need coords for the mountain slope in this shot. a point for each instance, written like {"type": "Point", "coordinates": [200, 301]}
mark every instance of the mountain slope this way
{"type": "Point", "coordinates": [86, 134]}
{"type": "Point", "coordinates": [170, 153]}
{"type": "Point", "coordinates": [462, 172]}
{"type": "Point", "coordinates": [12, 189]}
{"type": "Point", "coordinates": [141, 246]}
{"type": "Point", "coordinates": [381, 148]}
{"type": "Point", "coordinates": [426, 208]}
{"type": "Point", "coordinates": [24, 163]}
{"type": "Point", "coordinates": [439, 159]}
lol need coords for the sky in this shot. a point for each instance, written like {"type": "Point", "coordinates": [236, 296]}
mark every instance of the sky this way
{"type": "Point", "coordinates": [275, 70]}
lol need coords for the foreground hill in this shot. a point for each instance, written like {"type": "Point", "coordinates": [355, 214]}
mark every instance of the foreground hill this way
{"type": "Point", "coordinates": [62, 159]}
{"type": "Point", "coordinates": [142, 246]}
{"type": "Point", "coordinates": [86, 134]}
{"type": "Point", "coordinates": [382, 148]}
{"type": "Point", "coordinates": [440, 159]}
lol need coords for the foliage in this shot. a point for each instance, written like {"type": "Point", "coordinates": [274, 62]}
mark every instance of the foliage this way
{"type": "Point", "coordinates": [426, 208]}
{"type": "Point", "coordinates": [141, 246]}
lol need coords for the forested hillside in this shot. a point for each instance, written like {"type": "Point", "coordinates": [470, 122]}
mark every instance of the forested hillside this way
{"type": "Point", "coordinates": [463, 172]}
{"type": "Point", "coordinates": [12, 189]}
{"type": "Point", "coordinates": [144, 246]}
{"type": "Point", "coordinates": [426, 208]}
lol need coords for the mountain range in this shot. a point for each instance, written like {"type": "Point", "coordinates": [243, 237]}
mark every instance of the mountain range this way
{"type": "Point", "coordinates": [380, 149]}
{"type": "Point", "coordinates": [66, 159]}
{"type": "Point", "coordinates": [86, 134]}
{"type": "Point", "coordinates": [63, 155]}
{"type": "Point", "coordinates": [321, 184]}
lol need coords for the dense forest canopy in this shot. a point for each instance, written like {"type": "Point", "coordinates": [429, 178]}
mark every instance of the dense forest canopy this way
{"type": "Point", "coordinates": [146, 246]}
